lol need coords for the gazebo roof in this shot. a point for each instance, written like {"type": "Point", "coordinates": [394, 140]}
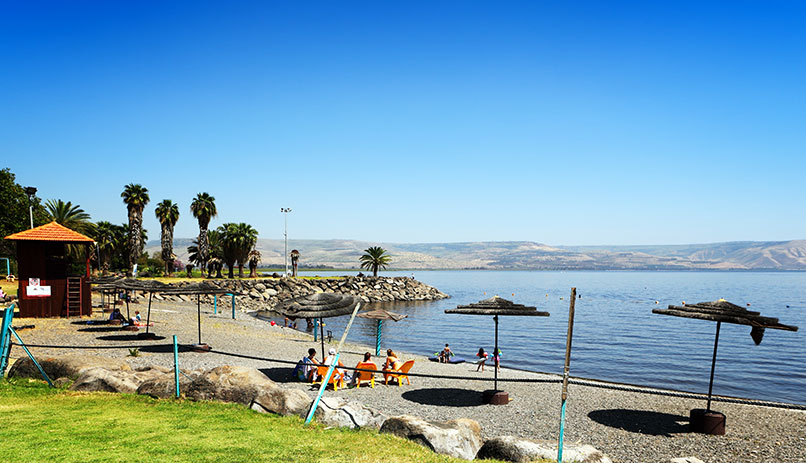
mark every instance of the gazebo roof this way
{"type": "Point", "coordinates": [53, 231]}
{"type": "Point", "coordinates": [318, 305]}
{"type": "Point", "coordinates": [380, 314]}
{"type": "Point", "coordinates": [497, 306]}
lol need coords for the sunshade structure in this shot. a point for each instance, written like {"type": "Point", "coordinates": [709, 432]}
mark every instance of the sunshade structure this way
{"type": "Point", "coordinates": [199, 289]}
{"type": "Point", "coordinates": [380, 315]}
{"type": "Point", "coordinates": [131, 284]}
{"type": "Point", "coordinates": [318, 305]}
{"type": "Point", "coordinates": [706, 421]}
{"type": "Point", "coordinates": [103, 284]}
{"type": "Point", "coordinates": [497, 306]}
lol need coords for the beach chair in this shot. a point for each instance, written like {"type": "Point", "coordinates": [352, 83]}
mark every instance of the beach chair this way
{"type": "Point", "coordinates": [400, 374]}
{"type": "Point", "coordinates": [365, 375]}
{"type": "Point", "coordinates": [336, 380]}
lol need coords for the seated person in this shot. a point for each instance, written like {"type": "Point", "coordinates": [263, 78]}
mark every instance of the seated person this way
{"type": "Point", "coordinates": [337, 372]}
{"type": "Point", "coordinates": [116, 315]}
{"type": "Point", "coordinates": [306, 368]}
{"type": "Point", "coordinates": [445, 355]}
{"type": "Point", "coordinates": [363, 364]}
{"type": "Point", "coordinates": [392, 362]}
{"type": "Point", "coordinates": [137, 318]}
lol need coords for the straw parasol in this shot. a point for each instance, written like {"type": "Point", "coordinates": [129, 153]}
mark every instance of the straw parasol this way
{"type": "Point", "coordinates": [318, 305]}
{"type": "Point", "coordinates": [131, 284]}
{"type": "Point", "coordinates": [706, 421]}
{"type": "Point", "coordinates": [381, 315]}
{"type": "Point", "coordinates": [199, 289]}
{"type": "Point", "coordinates": [497, 306]}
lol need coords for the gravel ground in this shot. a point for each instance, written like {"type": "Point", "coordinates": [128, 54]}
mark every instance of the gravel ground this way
{"type": "Point", "coordinates": [627, 426]}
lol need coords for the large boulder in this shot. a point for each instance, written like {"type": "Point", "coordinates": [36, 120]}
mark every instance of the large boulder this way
{"type": "Point", "coordinates": [510, 448]}
{"type": "Point", "coordinates": [229, 384]}
{"type": "Point", "coordinates": [282, 401]}
{"type": "Point", "coordinates": [458, 438]}
{"type": "Point", "coordinates": [343, 413]}
{"type": "Point", "coordinates": [64, 366]}
{"type": "Point", "coordinates": [98, 379]}
{"type": "Point", "coordinates": [164, 386]}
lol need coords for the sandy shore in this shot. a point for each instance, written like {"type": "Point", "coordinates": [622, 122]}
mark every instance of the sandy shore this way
{"type": "Point", "coordinates": [627, 426]}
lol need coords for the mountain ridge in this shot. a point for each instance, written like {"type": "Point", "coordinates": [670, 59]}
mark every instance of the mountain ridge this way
{"type": "Point", "coordinates": [531, 255]}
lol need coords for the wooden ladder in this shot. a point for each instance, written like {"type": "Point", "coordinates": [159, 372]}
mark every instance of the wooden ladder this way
{"type": "Point", "coordinates": [73, 297]}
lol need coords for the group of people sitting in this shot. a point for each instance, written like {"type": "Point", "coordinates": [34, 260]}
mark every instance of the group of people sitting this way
{"type": "Point", "coordinates": [445, 355]}
{"type": "Point", "coordinates": [118, 315]}
{"type": "Point", "coordinates": [306, 369]}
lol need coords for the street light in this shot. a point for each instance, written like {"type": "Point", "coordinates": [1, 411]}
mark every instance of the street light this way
{"type": "Point", "coordinates": [31, 191]}
{"type": "Point", "coordinates": [285, 211]}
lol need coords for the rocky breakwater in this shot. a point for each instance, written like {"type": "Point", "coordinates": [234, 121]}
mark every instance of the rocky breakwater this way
{"type": "Point", "coordinates": [264, 294]}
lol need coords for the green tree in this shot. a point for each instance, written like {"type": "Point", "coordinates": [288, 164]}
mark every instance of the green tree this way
{"type": "Point", "coordinates": [107, 236]}
{"type": "Point", "coordinates": [375, 258]}
{"type": "Point", "coordinates": [294, 262]}
{"type": "Point", "coordinates": [254, 259]}
{"type": "Point", "coordinates": [135, 196]}
{"type": "Point", "coordinates": [203, 209]}
{"type": "Point", "coordinates": [72, 217]}
{"type": "Point", "coordinates": [237, 239]}
{"type": "Point", "coordinates": [14, 211]}
{"type": "Point", "coordinates": [167, 213]}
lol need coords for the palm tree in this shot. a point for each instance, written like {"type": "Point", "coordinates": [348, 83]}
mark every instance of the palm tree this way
{"type": "Point", "coordinates": [168, 214]}
{"type": "Point", "coordinates": [237, 240]}
{"type": "Point", "coordinates": [136, 197]}
{"type": "Point", "coordinates": [294, 259]}
{"type": "Point", "coordinates": [74, 218]}
{"type": "Point", "coordinates": [254, 259]}
{"type": "Point", "coordinates": [375, 258]}
{"type": "Point", "coordinates": [203, 208]}
{"type": "Point", "coordinates": [106, 237]}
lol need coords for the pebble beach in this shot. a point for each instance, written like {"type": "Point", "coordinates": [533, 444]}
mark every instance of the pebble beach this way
{"type": "Point", "coordinates": [627, 426]}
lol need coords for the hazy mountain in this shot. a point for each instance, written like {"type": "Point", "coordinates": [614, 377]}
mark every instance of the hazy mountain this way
{"type": "Point", "coordinates": [740, 255]}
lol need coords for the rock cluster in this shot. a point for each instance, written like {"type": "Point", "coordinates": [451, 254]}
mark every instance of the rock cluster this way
{"type": "Point", "coordinates": [459, 438]}
{"type": "Point", "coordinates": [264, 294]}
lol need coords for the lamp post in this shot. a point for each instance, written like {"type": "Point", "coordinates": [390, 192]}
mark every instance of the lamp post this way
{"type": "Point", "coordinates": [30, 191]}
{"type": "Point", "coordinates": [285, 211]}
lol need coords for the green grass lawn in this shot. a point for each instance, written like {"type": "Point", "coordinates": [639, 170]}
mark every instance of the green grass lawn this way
{"type": "Point", "coordinates": [9, 287]}
{"type": "Point", "coordinates": [55, 425]}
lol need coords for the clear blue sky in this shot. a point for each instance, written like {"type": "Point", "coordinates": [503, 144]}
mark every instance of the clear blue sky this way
{"type": "Point", "coordinates": [562, 123]}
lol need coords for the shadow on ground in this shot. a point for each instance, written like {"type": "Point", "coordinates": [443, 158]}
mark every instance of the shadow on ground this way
{"type": "Point", "coordinates": [446, 397]}
{"type": "Point", "coordinates": [129, 338]}
{"type": "Point", "coordinates": [279, 374]}
{"type": "Point", "coordinates": [164, 348]}
{"type": "Point", "coordinates": [641, 421]}
{"type": "Point", "coordinates": [101, 329]}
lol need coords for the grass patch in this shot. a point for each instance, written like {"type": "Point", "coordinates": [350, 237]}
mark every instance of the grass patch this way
{"type": "Point", "coordinates": [41, 424]}
{"type": "Point", "coordinates": [9, 287]}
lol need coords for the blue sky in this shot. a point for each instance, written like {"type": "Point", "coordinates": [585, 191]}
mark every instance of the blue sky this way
{"type": "Point", "coordinates": [562, 123]}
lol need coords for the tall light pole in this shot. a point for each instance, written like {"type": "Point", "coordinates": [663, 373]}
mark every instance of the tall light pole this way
{"type": "Point", "coordinates": [285, 211]}
{"type": "Point", "coordinates": [30, 191]}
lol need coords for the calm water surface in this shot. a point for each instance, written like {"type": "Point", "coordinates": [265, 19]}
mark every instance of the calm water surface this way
{"type": "Point", "coordinates": [616, 335]}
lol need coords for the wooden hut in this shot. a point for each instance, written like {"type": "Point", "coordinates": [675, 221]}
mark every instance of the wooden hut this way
{"type": "Point", "coordinates": [46, 289]}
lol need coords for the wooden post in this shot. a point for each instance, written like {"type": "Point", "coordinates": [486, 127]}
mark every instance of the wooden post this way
{"type": "Point", "coordinates": [566, 370]}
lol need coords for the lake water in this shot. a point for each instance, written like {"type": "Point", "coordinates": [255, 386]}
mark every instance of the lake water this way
{"type": "Point", "coordinates": [616, 335]}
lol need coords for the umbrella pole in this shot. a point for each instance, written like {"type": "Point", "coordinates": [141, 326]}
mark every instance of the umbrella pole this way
{"type": "Point", "coordinates": [495, 352]}
{"type": "Point", "coordinates": [198, 309]}
{"type": "Point", "coordinates": [378, 341]}
{"type": "Point", "coordinates": [322, 336]}
{"type": "Point", "coordinates": [127, 305]}
{"type": "Point", "coordinates": [713, 365]}
{"type": "Point", "coordinates": [148, 316]}
{"type": "Point", "coordinates": [566, 370]}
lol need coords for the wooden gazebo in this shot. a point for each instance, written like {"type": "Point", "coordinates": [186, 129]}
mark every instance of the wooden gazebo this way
{"type": "Point", "coordinates": [45, 288]}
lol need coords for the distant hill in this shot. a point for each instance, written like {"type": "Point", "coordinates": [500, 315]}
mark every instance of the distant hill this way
{"type": "Point", "coordinates": [527, 255]}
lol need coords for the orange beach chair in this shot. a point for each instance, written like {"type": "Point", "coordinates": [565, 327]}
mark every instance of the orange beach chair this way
{"type": "Point", "coordinates": [365, 375]}
{"type": "Point", "coordinates": [336, 380]}
{"type": "Point", "coordinates": [400, 374]}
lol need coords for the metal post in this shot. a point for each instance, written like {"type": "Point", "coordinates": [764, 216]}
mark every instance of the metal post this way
{"type": "Point", "coordinates": [322, 336]}
{"type": "Point", "coordinates": [378, 341]}
{"type": "Point", "coordinates": [713, 365]}
{"type": "Point", "coordinates": [495, 352]}
{"type": "Point", "coordinates": [176, 366]}
{"type": "Point", "coordinates": [316, 333]}
{"type": "Point", "coordinates": [285, 211]}
{"type": "Point", "coordinates": [128, 296]}
{"type": "Point", "coordinates": [5, 338]}
{"type": "Point", "coordinates": [31, 212]}
{"type": "Point", "coordinates": [233, 306]}
{"type": "Point", "coordinates": [148, 315]}
{"type": "Point", "coordinates": [33, 359]}
{"type": "Point", "coordinates": [566, 370]}
{"type": "Point", "coordinates": [215, 304]}
{"type": "Point", "coordinates": [198, 309]}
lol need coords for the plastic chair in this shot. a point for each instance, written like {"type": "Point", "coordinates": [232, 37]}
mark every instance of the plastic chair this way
{"type": "Point", "coordinates": [365, 375]}
{"type": "Point", "coordinates": [400, 374]}
{"type": "Point", "coordinates": [336, 380]}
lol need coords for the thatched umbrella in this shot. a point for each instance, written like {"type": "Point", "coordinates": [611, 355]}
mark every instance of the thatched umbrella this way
{"type": "Point", "coordinates": [496, 306]}
{"type": "Point", "coordinates": [318, 305]}
{"type": "Point", "coordinates": [720, 311]}
{"type": "Point", "coordinates": [131, 284]}
{"type": "Point", "coordinates": [198, 289]}
{"type": "Point", "coordinates": [103, 284]}
{"type": "Point", "coordinates": [381, 315]}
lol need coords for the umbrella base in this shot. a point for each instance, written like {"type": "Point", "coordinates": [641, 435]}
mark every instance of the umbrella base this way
{"type": "Point", "coordinates": [494, 397]}
{"type": "Point", "coordinates": [200, 348]}
{"type": "Point", "coordinates": [704, 422]}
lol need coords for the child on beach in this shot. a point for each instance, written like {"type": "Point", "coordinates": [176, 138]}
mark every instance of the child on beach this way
{"type": "Point", "coordinates": [497, 358]}
{"type": "Point", "coordinates": [445, 355]}
{"type": "Point", "coordinates": [482, 359]}
{"type": "Point", "coordinates": [137, 318]}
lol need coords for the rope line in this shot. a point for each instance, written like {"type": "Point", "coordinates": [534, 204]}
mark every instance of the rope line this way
{"type": "Point", "coordinates": [577, 381]}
